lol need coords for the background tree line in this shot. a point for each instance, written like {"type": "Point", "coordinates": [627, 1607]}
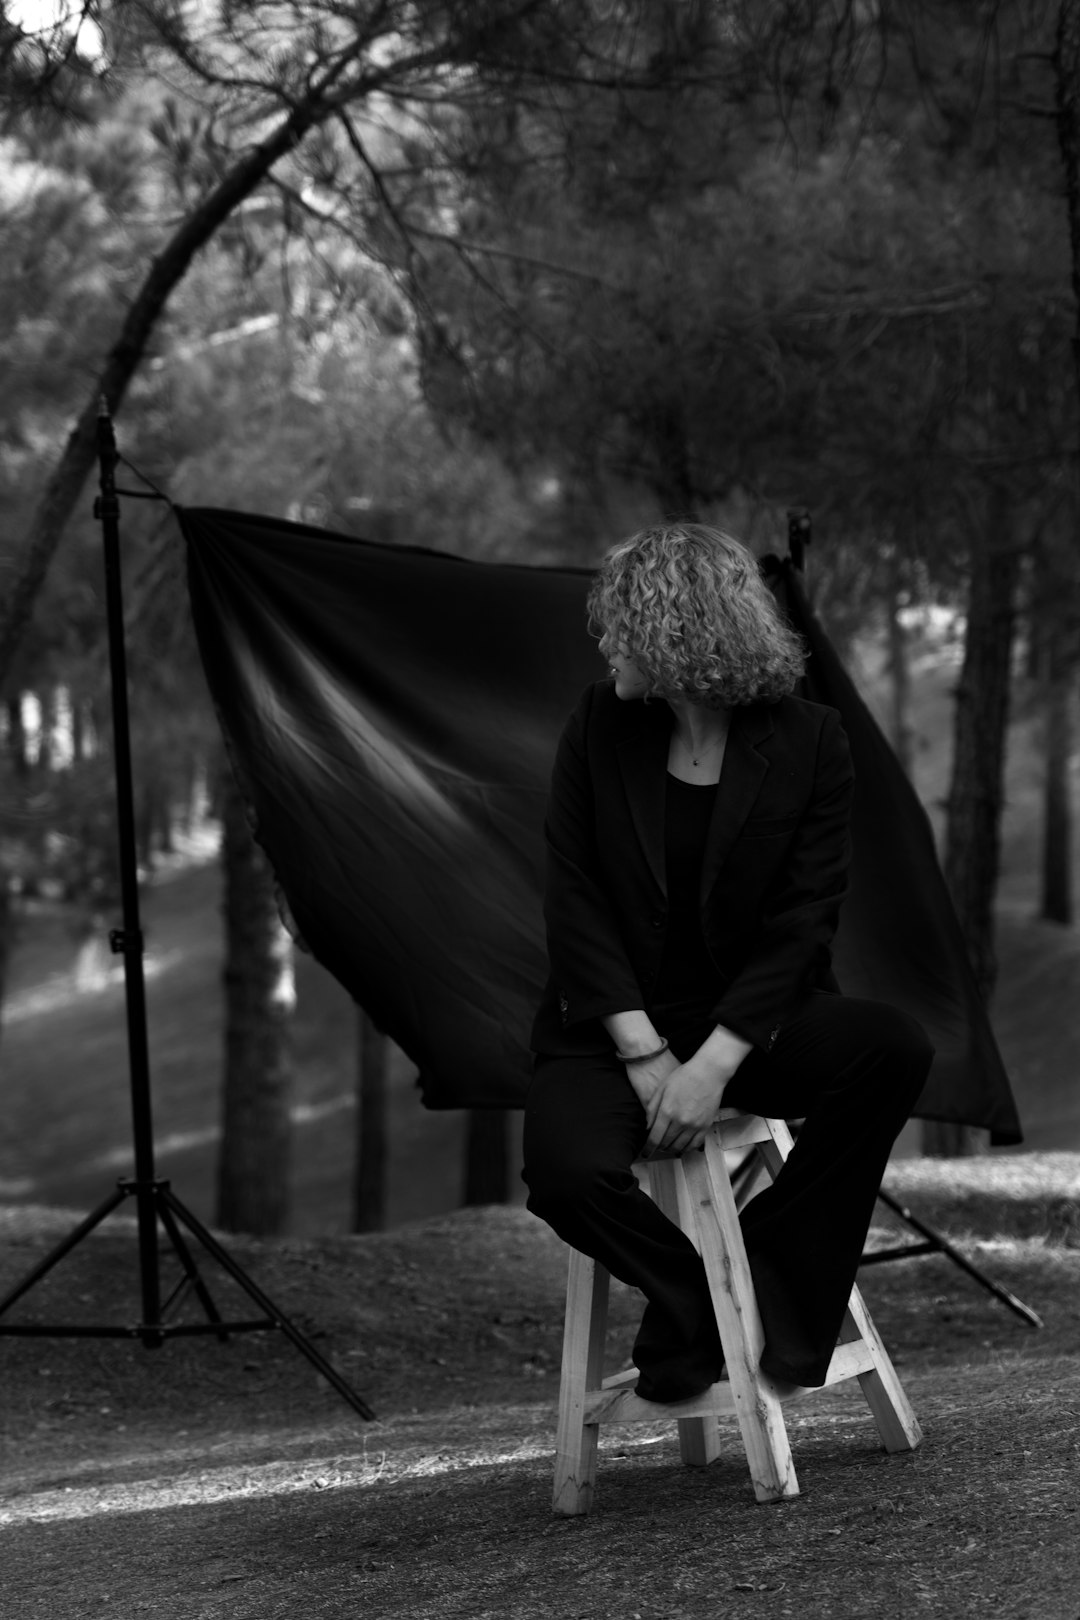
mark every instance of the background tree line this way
{"type": "Point", "coordinates": [505, 279]}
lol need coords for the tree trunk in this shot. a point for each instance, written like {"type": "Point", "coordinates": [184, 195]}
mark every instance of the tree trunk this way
{"type": "Point", "coordinates": [1067, 84]}
{"type": "Point", "coordinates": [487, 1157]}
{"type": "Point", "coordinates": [16, 735]}
{"type": "Point", "coordinates": [7, 933]}
{"type": "Point", "coordinates": [253, 1167]}
{"type": "Point", "coordinates": [1056, 898]}
{"type": "Point", "coordinates": [1057, 876]}
{"type": "Point", "coordinates": [164, 824]}
{"type": "Point", "coordinates": [899, 678]}
{"type": "Point", "coordinates": [369, 1181]}
{"type": "Point", "coordinates": [155, 820]}
{"type": "Point", "coordinates": [167, 269]}
{"type": "Point", "coordinates": [144, 830]}
{"type": "Point", "coordinates": [45, 728]}
{"type": "Point", "coordinates": [663, 427]}
{"type": "Point", "coordinates": [976, 794]}
{"type": "Point", "coordinates": [78, 730]}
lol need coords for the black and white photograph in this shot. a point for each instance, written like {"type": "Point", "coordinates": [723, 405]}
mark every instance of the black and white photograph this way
{"type": "Point", "coordinates": [539, 809]}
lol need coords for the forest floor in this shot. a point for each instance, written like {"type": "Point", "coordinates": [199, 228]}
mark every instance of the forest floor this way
{"type": "Point", "coordinates": [204, 1481]}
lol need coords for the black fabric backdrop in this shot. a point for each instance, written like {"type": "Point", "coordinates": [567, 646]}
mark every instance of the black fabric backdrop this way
{"type": "Point", "coordinates": [393, 714]}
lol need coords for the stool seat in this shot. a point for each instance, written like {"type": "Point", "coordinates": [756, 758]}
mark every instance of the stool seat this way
{"type": "Point", "coordinates": [695, 1191]}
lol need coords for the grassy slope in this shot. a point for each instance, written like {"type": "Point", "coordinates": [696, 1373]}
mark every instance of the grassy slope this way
{"type": "Point", "coordinates": [63, 1071]}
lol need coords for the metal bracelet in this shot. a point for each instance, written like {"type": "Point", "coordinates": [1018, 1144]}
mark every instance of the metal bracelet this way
{"type": "Point", "coordinates": [642, 1057]}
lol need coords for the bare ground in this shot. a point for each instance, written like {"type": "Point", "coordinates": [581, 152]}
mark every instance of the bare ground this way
{"type": "Point", "coordinates": [207, 1480]}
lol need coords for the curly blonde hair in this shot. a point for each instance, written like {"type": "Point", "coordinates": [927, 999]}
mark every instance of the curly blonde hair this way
{"type": "Point", "coordinates": [688, 604]}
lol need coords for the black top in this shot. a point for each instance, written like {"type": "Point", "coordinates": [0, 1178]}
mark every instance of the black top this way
{"type": "Point", "coordinates": [772, 875]}
{"type": "Point", "coordinates": [687, 984]}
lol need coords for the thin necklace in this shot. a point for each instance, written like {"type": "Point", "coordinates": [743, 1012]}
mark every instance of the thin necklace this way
{"type": "Point", "coordinates": [704, 752]}
{"type": "Point", "coordinates": [697, 755]}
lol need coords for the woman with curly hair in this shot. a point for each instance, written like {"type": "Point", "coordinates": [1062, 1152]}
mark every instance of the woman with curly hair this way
{"type": "Point", "coordinates": [698, 844]}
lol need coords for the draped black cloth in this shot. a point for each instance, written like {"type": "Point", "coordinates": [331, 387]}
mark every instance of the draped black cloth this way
{"type": "Point", "coordinates": [393, 713]}
{"type": "Point", "coordinates": [899, 939]}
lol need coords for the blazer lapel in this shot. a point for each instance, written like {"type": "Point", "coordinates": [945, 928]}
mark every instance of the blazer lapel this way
{"type": "Point", "coordinates": [741, 776]}
{"type": "Point", "coordinates": [643, 763]}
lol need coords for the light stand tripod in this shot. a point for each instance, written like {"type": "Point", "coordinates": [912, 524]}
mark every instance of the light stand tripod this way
{"type": "Point", "coordinates": [154, 1197]}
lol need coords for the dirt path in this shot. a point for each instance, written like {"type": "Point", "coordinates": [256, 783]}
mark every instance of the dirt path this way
{"type": "Point", "coordinates": [208, 1481]}
{"type": "Point", "coordinates": [448, 1516]}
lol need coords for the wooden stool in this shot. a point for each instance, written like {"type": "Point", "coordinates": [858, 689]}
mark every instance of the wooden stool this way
{"type": "Point", "coordinates": [695, 1191]}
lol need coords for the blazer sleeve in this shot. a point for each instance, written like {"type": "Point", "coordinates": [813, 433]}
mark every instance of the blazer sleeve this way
{"type": "Point", "coordinates": [790, 946]}
{"type": "Point", "coordinates": [588, 958]}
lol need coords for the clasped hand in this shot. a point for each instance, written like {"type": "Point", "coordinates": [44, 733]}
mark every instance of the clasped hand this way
{"type": "Point", "coordinates": [681, 1099]}
{"type": "Point", "coordinates": [682, 1107]}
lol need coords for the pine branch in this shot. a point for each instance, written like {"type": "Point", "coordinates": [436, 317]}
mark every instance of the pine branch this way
{"type": "Point", "coordinates": [166, 270]}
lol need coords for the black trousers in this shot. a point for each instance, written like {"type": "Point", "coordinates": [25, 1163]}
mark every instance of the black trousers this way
{"type": "Point", "coordinates": [850, 1069]}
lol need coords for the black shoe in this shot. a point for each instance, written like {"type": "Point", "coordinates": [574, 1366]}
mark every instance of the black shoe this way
{"type": "Point", "coordinates": [668, 1385]}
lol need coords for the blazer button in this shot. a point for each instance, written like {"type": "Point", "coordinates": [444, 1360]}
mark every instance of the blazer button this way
{"type": "Point", "coordinates": [658, 919]}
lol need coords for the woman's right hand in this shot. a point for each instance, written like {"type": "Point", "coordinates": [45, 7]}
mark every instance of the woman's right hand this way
{"type": "Point", "coordinates": [647, 1077]}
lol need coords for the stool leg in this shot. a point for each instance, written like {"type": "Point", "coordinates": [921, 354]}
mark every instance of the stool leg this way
{"type": "Point", "coordinates": [761, 1421]}
{"type": "Point", "coordinates": [892, 1411]}
{"type": "Point", "coordinates": [582, 1369]}
{"type": "Point", "coordinates": [775, 1152]}
{"type": "Point", "coordinates": [896, 1421]}
{"type": "Point", "coordinates": [699, 1438]}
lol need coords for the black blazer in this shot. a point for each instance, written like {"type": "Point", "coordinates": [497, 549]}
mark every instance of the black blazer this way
{"type": "Point", "coordinates": [774, 873]}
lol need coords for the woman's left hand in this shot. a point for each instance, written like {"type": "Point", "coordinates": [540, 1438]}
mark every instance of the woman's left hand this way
{"type": "Point", "coordinates": [683, 1107]}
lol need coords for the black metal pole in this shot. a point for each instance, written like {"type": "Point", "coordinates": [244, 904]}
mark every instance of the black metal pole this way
{"type": "Point", "coordinates": [128, 940]}
{"type": "Point", "coordinates": [154, 1198]}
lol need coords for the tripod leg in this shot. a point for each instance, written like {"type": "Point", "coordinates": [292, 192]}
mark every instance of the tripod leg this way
{"type": "Point", "coordinates": [191, 1270]}
{"type": "Point", "coordinates": [64, 1247]}
{"type": "Point", "coordinates": [239, 1275]}
{"type": "Point", "coordinates": [1025, 1312]}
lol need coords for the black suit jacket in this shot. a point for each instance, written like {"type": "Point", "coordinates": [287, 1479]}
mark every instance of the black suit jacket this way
{"type": "Point", "coordinates": [774, 872]}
